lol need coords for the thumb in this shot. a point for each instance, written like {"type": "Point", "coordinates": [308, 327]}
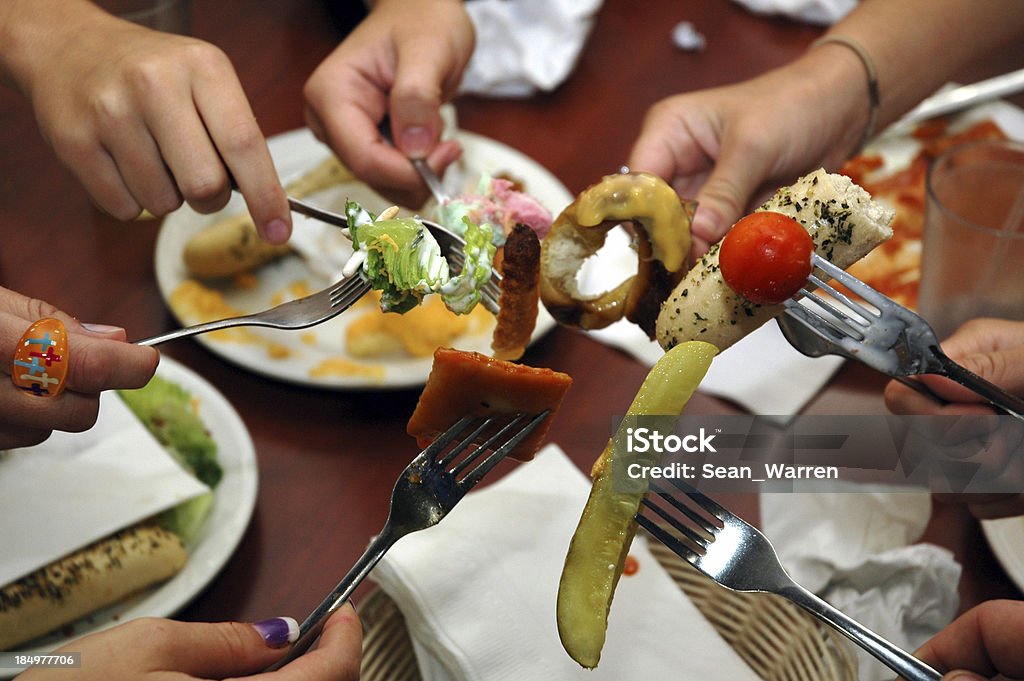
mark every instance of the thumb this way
{"type": "Point", "coordinates": [962, 675]}
{"type": "Point", "coordinates": [726, 194]}
{"type": "Point", "coordinates": [1005, 368]}
{"type": "Point", "coordinates": [223, 649]}
{"type": "Point", "coordinates": [422, 71]}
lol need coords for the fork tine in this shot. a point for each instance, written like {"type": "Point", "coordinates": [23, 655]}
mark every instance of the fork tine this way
{"type": "Point", "coordinates": [700, 541]}
{"type": "Point", "coordinates": [865, 314]}
{"type": "Point", "coordinates": [485, 466]}
{"type": "Point", "coordinates": [350, 291]}
{"type": "Point", "coordinates": [667, 538]}
{"type": "Point", "coordinates": [705, 502]}
{"type": "Point", "coordinates": [851, 282]}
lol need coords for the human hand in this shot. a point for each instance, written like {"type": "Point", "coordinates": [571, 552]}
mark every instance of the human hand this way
{"type": "Point", "coordinates": [143, 119]}
{"type": "Point", "coordinates": [99, 360]}
{"type": "Point", "coordinates": [984, 640]}
{"type": "Point", "coordinates": [993, 349]}
{"type": "Point", "coordinates": [151, 648]}
{"type": "Point", "coordinates": [403, 61]}
{"type": "Point", "coordinates": [731, 147]}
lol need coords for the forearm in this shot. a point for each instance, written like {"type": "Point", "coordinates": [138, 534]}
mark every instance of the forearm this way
{"type": "Point", "coordinates": [917, 45]}
{"type": "Point", "coordinates": [27, 26]}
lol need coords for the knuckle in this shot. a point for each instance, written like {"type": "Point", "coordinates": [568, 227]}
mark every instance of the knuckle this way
{"type": "Point", "coordinates": [81, 415]}
{"type": "Point", "coordinates": [164, 203]}
{"type": "Point", "coordinates": [241, 138]}
{"type": "Point", "coordinates": [203, 186]}
{"type": "Point", "coordinates": [38, 309]}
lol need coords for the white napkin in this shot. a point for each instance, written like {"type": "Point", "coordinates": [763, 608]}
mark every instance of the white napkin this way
{"type": "Point", "coordinates": [76, 488]}
{"type": "Point", "coordinates": [761, 373]}
{"type": "Point", "coordinates": [821, 12]}
{"type": "Point", "coordinates": [525, 46]}
{"type": "Point", "coordinates": [478, 592]}
{"type": "Point", "coordinates": [855, 549]}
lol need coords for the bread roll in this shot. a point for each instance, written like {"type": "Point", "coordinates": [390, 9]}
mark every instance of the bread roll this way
{"type": "Point", "coordinates": [99, 575]}
{"type": "Point", "coordinates": [844, 222]}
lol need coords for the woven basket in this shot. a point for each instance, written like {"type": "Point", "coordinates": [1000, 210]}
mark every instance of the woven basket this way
{"type": "Point", "coordinates": [779, 641]}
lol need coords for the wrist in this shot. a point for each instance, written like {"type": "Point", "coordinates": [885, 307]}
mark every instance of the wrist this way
{"type": "Point", "coordinates": [27, 31]}
{"type": "Point", "coordinates": [843, 88]}
{"type": "Point", "coordinates": [871, 81]}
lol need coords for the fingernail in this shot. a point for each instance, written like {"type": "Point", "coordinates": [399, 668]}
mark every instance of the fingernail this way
{"type": "Point", "coordinates": [105, 329]}
{"type": "Point", "coordinates": [707, 225]}
{"type": "Point", "coordinates": [277, 231]}
{"type": "Point", "coordinates": [279, 631]}
{"type": "Point", "coordinates": [415, 141]}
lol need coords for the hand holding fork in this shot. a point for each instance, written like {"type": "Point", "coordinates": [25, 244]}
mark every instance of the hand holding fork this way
{"type": "Point", "coordinates": [879, 332]}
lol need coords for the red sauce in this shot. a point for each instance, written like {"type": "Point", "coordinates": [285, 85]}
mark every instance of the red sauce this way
{"type": "Point", "coordinates": [894, 268]}
{"type": "Point", "coordinates": [631, 566]}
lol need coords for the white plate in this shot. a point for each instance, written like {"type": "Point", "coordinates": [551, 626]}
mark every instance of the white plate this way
{"type": "Point", "coordinates": [295, 153]}
{"type": "Point", "coordinates": [234, 501]}
{"type": "Point", "coordinates": [1006, 537]}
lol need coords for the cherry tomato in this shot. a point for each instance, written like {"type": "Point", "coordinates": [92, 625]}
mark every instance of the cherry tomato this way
{"type": "Point", "coordinates": [766, 257]}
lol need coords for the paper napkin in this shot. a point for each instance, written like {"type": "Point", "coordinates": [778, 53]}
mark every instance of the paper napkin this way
{"type": "Point", "coordinates": [525, 46]}
{"type": "Point", "coordinates": [76, 488]}
{"type": "Point", "coordinates": [478, 592]}
{"type": "Point", "coordinates": [821, 12]}
{"type": "Point", "coordinates": [762, 372]}
{"type": "Point", "coordinates": [855, 549]}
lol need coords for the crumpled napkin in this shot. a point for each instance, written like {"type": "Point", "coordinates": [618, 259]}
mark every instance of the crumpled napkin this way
{"type": "Point", "coordinates": [821, 12]}
{"type": "Point", "coordinates": [762, 373]}
{"type": "Point", "coordinates": [525, 46]}
{"type": "Point", "coordinates": [478, 592]}
{"type": "Point", "coordinates": [855, 550]}
{"type": "Point", "coordinates": [76, 488]}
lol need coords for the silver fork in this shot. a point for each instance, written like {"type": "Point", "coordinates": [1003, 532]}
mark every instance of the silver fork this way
{"type": "Point", "coordinates": [420, 165]}
{"type": "Point", "coordinates": [809, 342]}
{"type": "Point", "coordinates": [884, 335]}
{"type": "Point", "coordinates": [739, 557]}
{"type": "Point", "coordinates": [295, 314]}
{"type": "Point", "coordinates": [429, 487]}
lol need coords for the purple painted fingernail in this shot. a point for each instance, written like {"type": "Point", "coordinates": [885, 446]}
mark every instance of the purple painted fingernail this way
{"type": "Point", "coordinates": [279, 631]}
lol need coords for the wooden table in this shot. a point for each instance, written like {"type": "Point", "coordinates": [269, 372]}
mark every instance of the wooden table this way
{"type": "Point", "coordinates": [327, 459]}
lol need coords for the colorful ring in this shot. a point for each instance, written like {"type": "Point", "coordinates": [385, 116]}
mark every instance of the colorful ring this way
{"type": "Point", "coordinates": [40, 365]}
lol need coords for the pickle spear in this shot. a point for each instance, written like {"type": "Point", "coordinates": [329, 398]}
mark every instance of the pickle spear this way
{"type": "Point", "coordinates": [597, 552]}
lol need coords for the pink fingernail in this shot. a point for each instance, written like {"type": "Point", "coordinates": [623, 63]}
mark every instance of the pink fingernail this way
{"type": "Point", "coordinates": [277, 231]}
{"type": "Point", "coordinates": [415, 141]}
{"type": "Point", "coordinates": [105, 329]}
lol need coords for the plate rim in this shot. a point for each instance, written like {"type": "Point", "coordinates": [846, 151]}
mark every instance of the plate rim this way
{"type": "Point", "coordinates": [216, 544]}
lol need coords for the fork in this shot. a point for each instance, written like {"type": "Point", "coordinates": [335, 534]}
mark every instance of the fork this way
{"type": "Point", "coordinates": [739, 557]}
{"type": "Point", "coordinates": [808, 342]}
{"type": "Point", "coordinates": [884, 335]}
{"type": "Point", "coordinates": [420, 165]}
{"type": "Point", "coordinates": [295, 314]}
{"type": "Point", "coordinates": [429, 487]}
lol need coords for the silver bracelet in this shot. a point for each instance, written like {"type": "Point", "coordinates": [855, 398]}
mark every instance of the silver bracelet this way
{"type": "Point", "coordinates": [874, 98]}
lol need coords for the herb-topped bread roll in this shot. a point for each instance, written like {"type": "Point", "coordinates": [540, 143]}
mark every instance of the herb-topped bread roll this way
{"type": "Point", "coordinates": [844, 222]}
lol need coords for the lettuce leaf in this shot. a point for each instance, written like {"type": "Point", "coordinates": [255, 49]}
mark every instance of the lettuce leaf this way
{"type": "Point", "coordinates": [404, 262]}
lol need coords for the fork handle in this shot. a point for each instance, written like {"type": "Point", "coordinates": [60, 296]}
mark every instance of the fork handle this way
{"type": "Point", "coordinates": [309, 630]}
{"type": "Point", "coordinates": [892, 656]}
{"type": "Point", "coordinates": [1003, 401]}
{"type": "Point", "coordinates": [197, 329]}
